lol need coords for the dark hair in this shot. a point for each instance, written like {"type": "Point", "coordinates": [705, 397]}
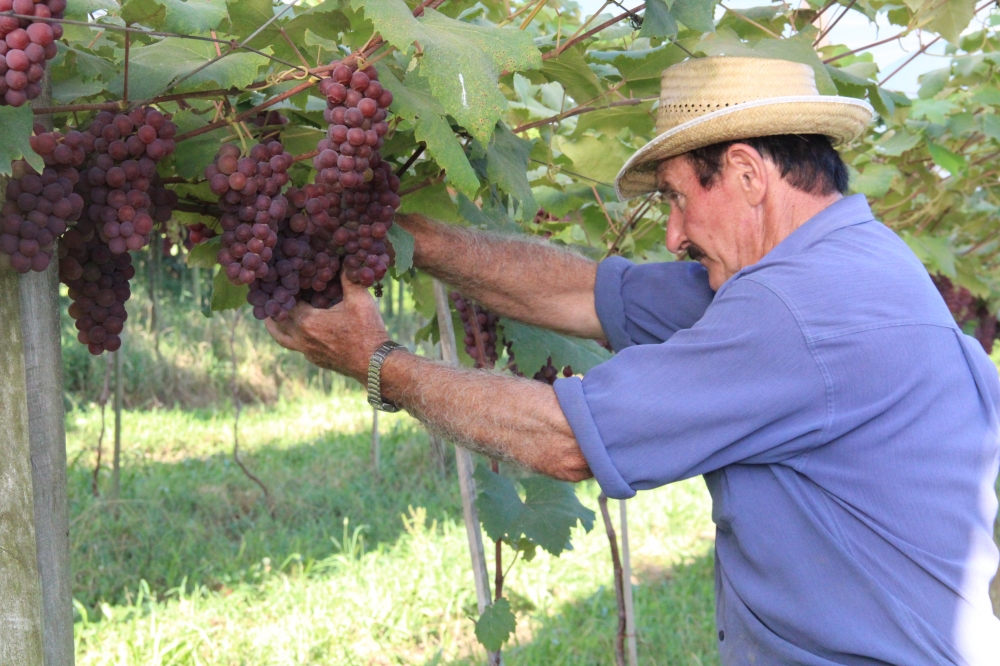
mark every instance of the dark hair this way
{"type": "Point", "coordinates": [807, 161]}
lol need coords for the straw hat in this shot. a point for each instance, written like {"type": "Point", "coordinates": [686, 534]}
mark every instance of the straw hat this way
{"type": "Point", "coordinates": [724, 98]}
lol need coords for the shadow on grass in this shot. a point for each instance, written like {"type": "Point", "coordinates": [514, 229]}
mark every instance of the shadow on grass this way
{"type": "Point", "coordinates": [200, 521]}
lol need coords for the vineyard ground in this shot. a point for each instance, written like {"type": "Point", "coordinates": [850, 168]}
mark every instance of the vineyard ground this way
{"type": "Point", "coordinates": [232, 585]}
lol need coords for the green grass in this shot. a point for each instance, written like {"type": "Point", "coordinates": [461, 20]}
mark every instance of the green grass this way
{"type": "Point", "coordinates": [189, 567]}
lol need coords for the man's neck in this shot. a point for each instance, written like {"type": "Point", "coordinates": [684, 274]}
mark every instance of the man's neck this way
{"type": "Point", "coordinates": [789, 209]}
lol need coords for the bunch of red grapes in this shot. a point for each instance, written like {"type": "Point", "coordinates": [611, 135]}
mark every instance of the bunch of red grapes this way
{"type": "Point", "coordinates": [249, 191]}
{"type": "Point", "coordinates": [336, 225]}
{"type": "Point", "coordinates": [40, 207]}
{"type": "Point", "coordinates": [476, 320]}
{"type": "Point", "coordinates": [356, 198]}
{"type": "Point", "coordinates": [967, 308]}
{"type": "Point", "coordinates": [25, 46]}
{"type": "Point", "coordinates": [100, 194]}
{"type": "Point", "coordinates": [481, 323]}
{"type": "Point", "coordinates": [118, 179]}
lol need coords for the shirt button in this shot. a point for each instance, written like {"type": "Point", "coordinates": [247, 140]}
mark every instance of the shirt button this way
{"type": "Point", "coordinates": [722, 635]}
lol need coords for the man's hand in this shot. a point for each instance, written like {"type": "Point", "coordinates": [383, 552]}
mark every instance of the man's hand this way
{"type": "Point", "coordinates": [341, 339]}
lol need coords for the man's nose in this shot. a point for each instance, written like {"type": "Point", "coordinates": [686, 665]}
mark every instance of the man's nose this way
{"type": "Point", "coordinates": [676, 240]}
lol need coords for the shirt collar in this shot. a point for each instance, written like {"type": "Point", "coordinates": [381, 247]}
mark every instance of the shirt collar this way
{"type": "Point", "coordinates": [845, 212]}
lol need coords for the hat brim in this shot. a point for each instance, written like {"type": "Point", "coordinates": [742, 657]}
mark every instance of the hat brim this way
{"type": "Point", "coordinates": [843, 119]}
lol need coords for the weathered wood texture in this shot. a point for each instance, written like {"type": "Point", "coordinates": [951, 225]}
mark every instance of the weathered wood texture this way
{"type": "Point", "coordinates": [40, 331]}
{"type": "Point", "coordinates": [20, 588]}
{"type": "Point", "coordinates": [632, 654]}
{"type": "Point", "coordinates": [463, 460]}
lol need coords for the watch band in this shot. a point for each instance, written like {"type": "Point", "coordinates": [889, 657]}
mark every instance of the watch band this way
{"type": "Point", "coordinates": [375, 376]}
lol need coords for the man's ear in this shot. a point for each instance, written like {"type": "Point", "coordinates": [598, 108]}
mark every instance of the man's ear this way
{"type": "Point", "coordinates": [748, 167]}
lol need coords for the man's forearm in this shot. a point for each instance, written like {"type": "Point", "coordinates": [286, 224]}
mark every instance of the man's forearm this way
{"type": "Point", "coordinates": [530, 281]}
{"type": "Point", "coordinates": [505, 418]}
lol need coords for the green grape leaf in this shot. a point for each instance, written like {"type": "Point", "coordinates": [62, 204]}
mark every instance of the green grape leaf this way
{"type": "Point", "coordinates": [898, 143]}
{"type": "Point", "coordinates": [246, 16]}
{"type": "Point", "coordinates": [951, 162]}
{"type": "Point", "coordinates": [499, 505]}
{"type": "Point", "coordinates": [533, 346]}
{"type": "Point", "coordinates": [553, 511]}
{"type": "Point", "coordinates": [933, 82]}
{"type": "Point", "coordinates": [988, 95]}
{"type": "Point", "coordinates": [432, 127]}
{"type": "Point", "coordinates": [571, 70]}
{"type": "Point", "coordinates": [949, 19]}
{"type": "Point", "coordinates": [194, 154]}
{"type": "Point", "coordinates": [599, 159]}
{"type": "Point", "coordinates": [144, 12]}
{"type": "Point", "coordinates": [657, 21]}
{"type": "Point", "coordinates": [875, 180]}
{"type": "Point", "coordinates": [434, 202]}
{"type": "Point", "coordinates": [195, 16]}
{"type": "Point", "coordinates": [226, 295]}
{"type": "Point", "coordinates": [695, 14]}
{"type": "Point", "coordinates": [641, 69]}
{"type": "Point", "coordinates": [71, 90]}
{"type": "Point", "coordinates": [203, 254]}
{"type": "Point", "coordinates": [15, 129]}
{"type": "Point", "coordinates": [155, 66]}
{"type": "Point", "coordinates": [495, 625]}
{"type": "Point", "coordinates": [546, 516]}
{"type": "Point", "coordinates": [611, 120]}
{"type": "Point", "coordinates": [461, 61]}
{"type": "Point", "coordinates": [77, 9]}
{"type": "Point", "coordinates": [991, 126]}
{"type": "Point", "coordinates": [507, 165]}
{"type": "Point", "coordinates": [184, 16]}
{"type": "Point", "coordinates": [402, 243]}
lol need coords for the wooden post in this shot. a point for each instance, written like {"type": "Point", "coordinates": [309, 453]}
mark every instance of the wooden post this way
{"type": "Point", "coordinates": [41, 334]}
{"type": "Point", "coordinates": [196, 286]}
{"type": "Point", "coordinates": [463, 460]}
{"type": "Point", "coordinates": [116, 477]}
{"type": "Point", "coordinates": [375, 442]}
{"type": "Point", "coordinates": [632, 651]}
{"type": "Point", "coordinates": [20, 586]}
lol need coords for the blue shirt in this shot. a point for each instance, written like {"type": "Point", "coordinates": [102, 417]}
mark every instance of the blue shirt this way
{"type": "Point", "coordinates": [846, 429]}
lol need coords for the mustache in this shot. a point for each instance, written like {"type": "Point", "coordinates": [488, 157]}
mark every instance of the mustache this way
{"type": "Point", "coordinates": [694, 253]}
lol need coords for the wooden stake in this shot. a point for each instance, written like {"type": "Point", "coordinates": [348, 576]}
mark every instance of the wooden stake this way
{"type": "Point", "coordinates": [463, 460]}
{"type": "Point", "coordinates": [632, 651]}
{"type": "Point", "coordinates": [375, 441]}
{"type": "Point", "coordinates": [116, 476]}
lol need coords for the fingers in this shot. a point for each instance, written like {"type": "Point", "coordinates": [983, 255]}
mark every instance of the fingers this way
{"type": "Point", "coordinates": [352, 290]}
{"type": "Point", "coordinates": [280, 336]}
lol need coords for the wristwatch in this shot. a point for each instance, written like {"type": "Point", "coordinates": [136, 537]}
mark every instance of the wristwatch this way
{"type": "Point", "coordinates": [375, 376]}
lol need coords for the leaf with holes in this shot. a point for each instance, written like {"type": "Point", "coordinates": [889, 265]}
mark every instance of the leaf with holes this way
{"type": "Point", "coordinates": [462, 61]}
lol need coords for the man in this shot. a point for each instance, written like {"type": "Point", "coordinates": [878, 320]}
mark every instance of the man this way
{"type": "Point", "coordinates": [846, 428]}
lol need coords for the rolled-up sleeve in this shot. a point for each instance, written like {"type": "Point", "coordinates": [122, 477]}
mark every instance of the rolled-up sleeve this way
{"type": "Point", "coordinates": [647, 303]}
{"type": "Point", "coordinates": [740, 385]}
